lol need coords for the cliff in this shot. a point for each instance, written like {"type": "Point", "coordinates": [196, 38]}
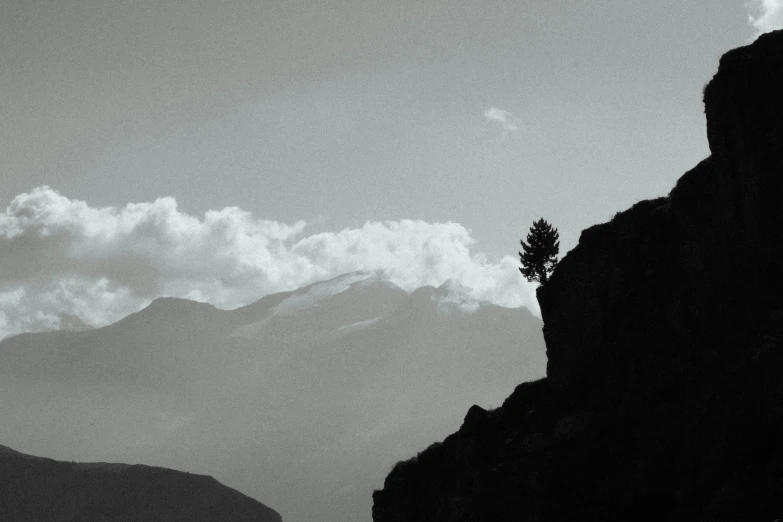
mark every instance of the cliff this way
{"type": "Point", "coordinates": [34, 488]}
{"type": "Point", "coordinates": [664, 333]}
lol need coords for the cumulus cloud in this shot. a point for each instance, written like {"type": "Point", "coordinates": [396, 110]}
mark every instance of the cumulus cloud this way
{"type": "Point", "coordinates": [66, 264]}
{"type": "Point", "coordinates": [765, 15]}
{"type": "Point", "coordinates": [501, 117]}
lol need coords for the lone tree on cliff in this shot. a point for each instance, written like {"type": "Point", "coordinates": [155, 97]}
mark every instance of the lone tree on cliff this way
{"type": "Point", "coordinates": [539, 254]}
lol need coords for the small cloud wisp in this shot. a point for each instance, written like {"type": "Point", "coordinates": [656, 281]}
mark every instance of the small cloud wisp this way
{"type": "Point", "coordinates": [501, 117]}
{"type": "Point", "coordinates": [765, 15]}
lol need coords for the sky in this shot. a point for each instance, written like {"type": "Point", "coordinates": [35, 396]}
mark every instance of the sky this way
{"type": "Point", "coordinates": [224, 150]}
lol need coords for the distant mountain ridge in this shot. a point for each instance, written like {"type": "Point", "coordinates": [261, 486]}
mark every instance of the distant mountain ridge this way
{"type": "Point", "coordinates": [303, 399]}
{"type": "Point", "coordinates": [35, 489]}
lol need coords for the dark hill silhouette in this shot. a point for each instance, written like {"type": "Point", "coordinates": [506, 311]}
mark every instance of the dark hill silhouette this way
{"type": "Point", "coordinates": [664, 329]}
{"type": "Point", "coordinates": [301, 400]}
{"type": "Point", "coordinates": [34, 489]}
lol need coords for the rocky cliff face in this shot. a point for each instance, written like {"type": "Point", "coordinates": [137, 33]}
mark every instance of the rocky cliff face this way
{"type": "Point", "coordinates": [37, 489]}
{"type": "Point", "coordinates": [664, 330]}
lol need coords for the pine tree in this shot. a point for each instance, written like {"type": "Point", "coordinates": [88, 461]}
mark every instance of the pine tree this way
{"type": "Point", "coordinates": [539, 254]}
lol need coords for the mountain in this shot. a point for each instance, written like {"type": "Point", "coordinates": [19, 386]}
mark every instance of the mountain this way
{"type": "Point", "coordinates": [38, 489]}
{"type": "Point", "coordinates": [303, 400]}
{"type": "Point", "coordinates": [664, 330]}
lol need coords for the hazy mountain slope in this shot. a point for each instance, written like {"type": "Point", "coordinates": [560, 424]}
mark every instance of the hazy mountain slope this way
{"type": "Point", "coordinates": [37, 489]}
{"type": "Point", "coordinates": [302, 400]}
{"type": "Point", "coordinates": [664, 332]}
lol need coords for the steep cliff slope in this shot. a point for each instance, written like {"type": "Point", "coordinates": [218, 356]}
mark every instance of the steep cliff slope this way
{"type": "Point", "coordinates": [664, 329]}
{"type": "Point", "coordinates": [37, 489]}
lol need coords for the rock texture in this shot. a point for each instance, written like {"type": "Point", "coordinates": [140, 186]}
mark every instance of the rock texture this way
{"type": "Point", "coordinates": [37, 489]}
{"type": "Point", "coordinates": [664, 329]}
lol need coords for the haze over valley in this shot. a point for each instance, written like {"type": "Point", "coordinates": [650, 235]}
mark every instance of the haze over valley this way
{"type": "Point", "coordinates": [303, 400]}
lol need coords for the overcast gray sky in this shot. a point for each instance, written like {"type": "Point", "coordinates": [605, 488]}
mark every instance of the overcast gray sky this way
{"type": "Point", "coordinates": [486, 114]}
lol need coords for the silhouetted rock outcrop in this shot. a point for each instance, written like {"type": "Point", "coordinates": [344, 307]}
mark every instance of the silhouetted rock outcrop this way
{"type": "Point", "coordinates": [38, 489]}
{"type": "Point", "coordinates": [664, 332]}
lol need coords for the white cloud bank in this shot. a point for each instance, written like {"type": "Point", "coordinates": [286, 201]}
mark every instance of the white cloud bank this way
{"type": "Point", "coordinates": [765, 15]}
{"type": "Point", "coordinates": [66, 264]}
{"type": "Point", "coordinates": [501, 117]}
